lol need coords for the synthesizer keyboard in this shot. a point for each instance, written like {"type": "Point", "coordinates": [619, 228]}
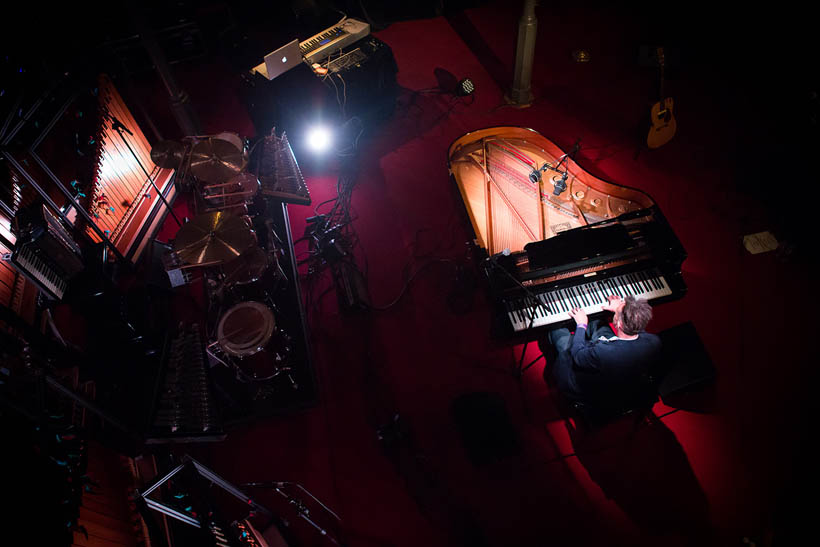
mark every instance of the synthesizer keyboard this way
{"type": "Point", "coordinates": [322, 45]}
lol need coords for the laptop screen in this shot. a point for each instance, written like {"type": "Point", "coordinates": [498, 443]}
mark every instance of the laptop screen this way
{"type": "Point", "coordinates": [283, 59]}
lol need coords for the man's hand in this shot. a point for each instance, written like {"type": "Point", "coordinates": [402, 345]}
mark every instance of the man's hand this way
{"type": "Point", "coordinates": [579, 315]}
{"type": "Point", "coordinates": [614, 304]}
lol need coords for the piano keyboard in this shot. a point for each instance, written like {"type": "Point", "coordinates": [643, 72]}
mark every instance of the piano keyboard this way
{"type": "Point", "coordinates": [39, 272]}
{"type": "Point", "coordinates": [590, 297]}
{"type": "Point", "coordinates": [321, 45]}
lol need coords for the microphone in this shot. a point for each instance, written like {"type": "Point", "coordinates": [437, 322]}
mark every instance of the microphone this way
{"type": "Point", "coordinates": [535, 176]}
{"type": "Point", "coordinates": [496, 256]}
{"type": "Point", "coordinates": [575, 148]}
{"type": "Point", "coordinates": [117, 125]}
{"type": "Point", "coordinates": [560, 184]}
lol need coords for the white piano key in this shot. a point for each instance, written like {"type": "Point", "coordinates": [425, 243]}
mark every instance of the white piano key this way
{"type": "Point", "coordinates": [590, 297]}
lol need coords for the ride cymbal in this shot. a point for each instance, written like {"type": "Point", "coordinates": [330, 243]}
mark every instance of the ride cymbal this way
{"type": "Point", "coordinates": [216, 160]}
{"type": "Point", "coordinates": [213, 237]}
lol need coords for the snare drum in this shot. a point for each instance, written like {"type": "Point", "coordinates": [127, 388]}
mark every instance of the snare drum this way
{"type": "Point", "coordinates": [247, 332]}
{"type": "Point", "coordinates": [245, 329]}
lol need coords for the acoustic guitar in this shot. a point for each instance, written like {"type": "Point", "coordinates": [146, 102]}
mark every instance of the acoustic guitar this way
{"type": "Point", "coordinates": [663, 120]}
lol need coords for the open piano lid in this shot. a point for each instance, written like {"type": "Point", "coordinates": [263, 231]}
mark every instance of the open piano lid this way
{"type": "Point", "coordinates": [507, 210]}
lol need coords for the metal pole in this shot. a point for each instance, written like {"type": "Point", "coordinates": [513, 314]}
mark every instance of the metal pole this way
{"type": "Point", "coordinates": [50, 202]}
{"type": "Point", "coordinates": [521, 91]}
{"type": "Point", "coordinates": [80, 210]}
{"type": "Point", "coordinates": [180, 102]}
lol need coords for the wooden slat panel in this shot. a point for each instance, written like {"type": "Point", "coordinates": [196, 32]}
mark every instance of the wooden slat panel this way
{"type": "Point", "coordinates": [123, 196]}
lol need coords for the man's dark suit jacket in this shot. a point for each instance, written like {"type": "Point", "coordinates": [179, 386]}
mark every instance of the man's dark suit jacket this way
{"type": "Point", "coordinates": [612, 373]}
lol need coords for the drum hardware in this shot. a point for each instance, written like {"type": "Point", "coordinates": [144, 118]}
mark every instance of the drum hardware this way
{"type": "Point", "coordinates": [269, 362]}
{"type": "Point", "coordinates": [180, 273]}
{"type": "Point", "coordinates": [275, 250]}
{"type": "Point", "coordinates": [167, 154]}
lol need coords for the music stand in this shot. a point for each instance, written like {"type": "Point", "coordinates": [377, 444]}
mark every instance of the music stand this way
{"type": "Point", "coordinates": [167, 509]}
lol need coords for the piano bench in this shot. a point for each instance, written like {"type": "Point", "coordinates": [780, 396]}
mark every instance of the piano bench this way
{"type": "Point", "coordinates": [594, 417]}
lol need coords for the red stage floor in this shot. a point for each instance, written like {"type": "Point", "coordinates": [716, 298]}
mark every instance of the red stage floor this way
{"type": "Point", "coordinates": [710, 475]}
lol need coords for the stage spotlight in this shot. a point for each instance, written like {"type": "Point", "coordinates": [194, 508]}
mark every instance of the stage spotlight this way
{"type": "Point", "coordinates": [465, 87]}
{"type": "Point", "coordinates": [319, 139]}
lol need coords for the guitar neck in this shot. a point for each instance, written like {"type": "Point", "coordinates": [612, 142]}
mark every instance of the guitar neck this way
{"type": "Point", "coordinates": [662, 65]}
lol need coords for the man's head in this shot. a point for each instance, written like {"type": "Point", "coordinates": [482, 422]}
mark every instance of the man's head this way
{"type": "Point", "coordinates": [633, 315]}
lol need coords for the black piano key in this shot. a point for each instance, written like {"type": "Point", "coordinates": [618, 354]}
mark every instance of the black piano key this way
{"type": "Point", "coordinates": [610, 287]}
{"type": "Point", "coordinates": [576, 303]}
{"type": "Point", "coordinates": [653, 281]}
{"type": "Point", "coordinates": [579, 303]}
{"type": "Point", "coordinates": [630, 284]}
{"type": "Point", "coordinates": [645, 280]}
{"type": "Point", "coordinates": [599, 292]}
{"type": "Point", "coordinates": [574, 298]}
{"type": "Point", "coordinates": [587, 291]}
{"type": "Point", "coordinates": [570, 299]}
{"type": "Point", "coordinates": [551, 302]}
{"type": "Point", "coordinates": [627, 287]}
{"type": "Point", "coordinates": [565, 300]}
{"type": "Point", "coordinates": [548, 309]}
{"type": "Point", "coordinates": [593, 291]}
{"type": "Point", "coordinates": [657, 282]}
{"type": "Point", "coordinates": [582, 291]}
{"type": "Point", "coordinates": [639, 284]}
{"type": "Point", "coordinates": [578, 298]}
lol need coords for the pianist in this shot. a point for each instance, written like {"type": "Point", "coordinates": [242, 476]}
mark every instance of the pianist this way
{"type": "Point", "coordinates": [602, 367]}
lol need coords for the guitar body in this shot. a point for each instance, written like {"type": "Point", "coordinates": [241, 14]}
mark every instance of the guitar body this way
{"type": "Point", "coordinates": [663, 123]}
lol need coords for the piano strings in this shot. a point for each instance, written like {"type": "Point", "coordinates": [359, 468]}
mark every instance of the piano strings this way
{"type": "Point", "coordinates": [595, 239]}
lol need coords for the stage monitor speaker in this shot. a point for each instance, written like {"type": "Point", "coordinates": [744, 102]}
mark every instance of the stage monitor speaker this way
{"type": "Point", "coordinates": [685, 364]}
{"type": "Point", "coordinates": [485, 427]}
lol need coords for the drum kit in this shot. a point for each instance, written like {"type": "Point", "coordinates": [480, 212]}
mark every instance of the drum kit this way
{"type": "Point", "coordinates": [222, 241]}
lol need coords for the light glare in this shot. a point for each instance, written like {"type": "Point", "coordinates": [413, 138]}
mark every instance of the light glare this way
{"type": "Point", "coordinates": [318, 139]}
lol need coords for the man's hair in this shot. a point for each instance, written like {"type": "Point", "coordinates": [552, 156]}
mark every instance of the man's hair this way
{"type": "Point", "coordinates": [635, 315]}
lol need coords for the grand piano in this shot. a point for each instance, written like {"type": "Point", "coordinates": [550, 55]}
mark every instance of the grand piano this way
{"type": "Point", "coordinates": [555, 236]}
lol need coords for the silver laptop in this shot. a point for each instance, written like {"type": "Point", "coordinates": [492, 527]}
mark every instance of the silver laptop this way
{"type": "Point", "coordinates": [283, 59]}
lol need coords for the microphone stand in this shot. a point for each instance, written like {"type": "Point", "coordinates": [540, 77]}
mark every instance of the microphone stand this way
{"type": "Point", "coordinates": [560, 185]}
{"type": "Point", "coordinates": [118, 126]}
{"type": "Point", "coordinates": [520, 369]}
{"type": "Point", "coordinates": [299, 505]}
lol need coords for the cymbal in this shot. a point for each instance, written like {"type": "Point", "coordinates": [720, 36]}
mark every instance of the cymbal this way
{"type": "Point", "coordinates": [212, 237]}
{"type": "Point", "coordinates": [247, 267]}
{"type": "Point", "coordinates": [216, 160]}
{"type": "Point", "coordinates": [167, 154]}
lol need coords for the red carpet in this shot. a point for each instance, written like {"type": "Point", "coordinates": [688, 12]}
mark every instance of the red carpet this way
{"type": "Point", "coordinates": [697, 478]}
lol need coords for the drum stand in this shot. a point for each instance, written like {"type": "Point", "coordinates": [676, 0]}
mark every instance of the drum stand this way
{"type": "Point", "coordinates": [299, 505]}
{"type": "Point", "coordinates": [214, 352]}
